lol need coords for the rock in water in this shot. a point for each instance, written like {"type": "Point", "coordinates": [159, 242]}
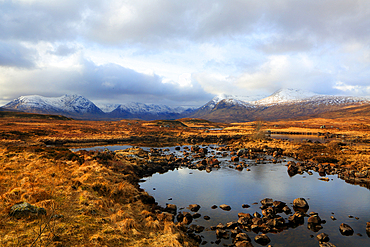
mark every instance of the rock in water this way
{"type": "Point", "coordinates": [262, 239]}
{"type": "Point", "coordinates": [225, 207]}
{"type": "Point", "coordinates": [345, 229]}
{"type": "Point", "coordinates": [300, 203]}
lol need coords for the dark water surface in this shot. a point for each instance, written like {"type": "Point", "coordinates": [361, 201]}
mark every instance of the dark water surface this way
{"type": "Point", "coordinates": [229, 186]}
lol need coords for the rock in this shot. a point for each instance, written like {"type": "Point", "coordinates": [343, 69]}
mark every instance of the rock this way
{"type": "Point", "coordinates": [296, 218]}
{"type": "Point", "coordinates": [24, 210]}
{"type": "Point", "coordinates": [214, 207]}
{"type": "Point", "coordinates": [345, 229]}
{"type": "Point", "coordinates": [171, 208]}
{"type": "Point", "coordinates": [267, 202]}
{"type": "Point", "coordinates": [323, 237]}
{"type": "Point", "coordinates": [220, 233]}
{"type": "Point", "coordinates": [194, 207]}
{"type": "Point", "coordinates": [206, 217]}
{"type": "Point", "coordinates": [225, 207]}
{"type": "Point", "coordinates": [314, 219]}
{"type": "Point", "coordinates": [300, 203]}
{"type": "Point", "coordinates": [187, 218]}
{"type": "Point", "coordinates": [243, 244]}
{"type": "Point", "coordinates": [245, 206]}
{"type": "Point", "coordinates": [262, 239]}
{"type": "Point", "coordinates": [257, 215]}
{"type": "Point", "coordinates": [241, 152]}
{"type": "Point", "coordinates": [235, 159]}
{"type": "Point", "coordinates": [292, 170]}
{"type": "Point", "coordinates": [241, 237]}
{"type": "Point", "coordinates": [196, 215]}
{"type": "Point", "coordinates": [326, 244]}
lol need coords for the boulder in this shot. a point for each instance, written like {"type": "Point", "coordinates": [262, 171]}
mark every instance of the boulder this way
{"type": "Point", "coordinates": [220, 233]}
{"type": "Point", "coordinates": [345, 229]}
{"type": "Point", "coordinates": [323, 237]}
{"type": "Point", "coordinates": [292, 170]}
{"type": "Point", "coordinates": [225, 207]}
{"type": "Point", "coordinates": [267, 202]}
{"type": "Point", "coordinates": [24, 210]}
{"type": "Point", "coordinates": [262, 239]}
{"type": "Point", "coordinates": [235, 159]}
{"type": "Point", "coordinates": [171, 208]}
{"type": "Point", "coordinates": [194, 207]}
{"type": "Point", "coordinates": [300, 203]}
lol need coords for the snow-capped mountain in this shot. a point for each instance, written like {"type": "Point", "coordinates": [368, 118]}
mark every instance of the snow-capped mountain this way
{"type": "Point", "coordinates": [137, 108]}
{"type": "Point", "coordinates": [284, 103]}
{"type": "Point", "coordinates": [65, 105]}
{"type": "Point", "coordinates": [77, 106]}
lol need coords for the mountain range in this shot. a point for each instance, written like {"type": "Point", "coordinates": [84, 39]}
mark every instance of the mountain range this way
{"type": "Point", "coordinates": [283, 104]}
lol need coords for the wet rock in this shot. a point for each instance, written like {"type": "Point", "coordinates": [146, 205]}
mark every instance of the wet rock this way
{"type": "Point", "coordinates": [257, 215]}
{"type": "Point", "coordinates": [214, 207]}
{"type": "Point", "coordinates": [243, 244]}
{"type": "Point", "coordinates": [235, 159]}
{"type": "Point", "coordinates": [333, 218]}
{"type": "Point", "coordinates": [225, 207]}
{"type": "Point", "coordinates": [206, 217]}
{"type": "Point", "coordinates": [171, 208]}
{"type": "Point", "coordinates": [196, 215]}
{"type": "Point", "coordinates": [262, 239]}
{"type": "Point", "coordinates": [220, 233]}
{"type": "Point", "coordinates": [24, 210]}
{"type": "Point", "coordinates": [194, 207]}
{"type": "Point", "coordinates": [267, 202]}
{"type": "Point", "coordinates": [345, 229]}
{"type": "Point", "coordinates": [300, 203]}
{"type": "Point", "coordinates": [314, 219]}
{"type": "Point", "coordinates": [287, 210]}
{"type": "Point", "coordinates": [297, 218]}
{"type": "Point", "coordinates": [242, 152]}
{"type": "Point", "coordinates": [323, 237]}
{"type": "Point", "coordinates": [242, 237]}
{"type": "Point", "coordinates": [231, 225]}
{"type": "Point", "coordinates": [326, 244]}
{"type": "Point", "coordinates": [187, 218]}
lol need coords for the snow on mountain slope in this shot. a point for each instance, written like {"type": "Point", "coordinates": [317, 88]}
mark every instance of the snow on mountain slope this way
{"type": "Point", "coordinates": [231, 100]}
{"type": "Point", "coordinates": [65, 103]}
{"type": "Point", "coordinates": [140, 108]}
{"type": "Point", "coordinates": [286, 96]}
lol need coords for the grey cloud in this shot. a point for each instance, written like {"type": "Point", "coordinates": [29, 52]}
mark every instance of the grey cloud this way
{"type": "Point", "coordinates": [15, 55]}
{"type": "Point", "coordinates": [109, 83]}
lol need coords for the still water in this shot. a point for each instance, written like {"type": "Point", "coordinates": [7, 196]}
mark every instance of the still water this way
{"type": "Point", "coordinates": [226, 185]}
{"type": "Point", "coordinates": [229, 186]}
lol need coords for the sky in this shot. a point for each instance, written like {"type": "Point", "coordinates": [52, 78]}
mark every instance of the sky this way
{"type": "Point", "coordinates": [182, 52]}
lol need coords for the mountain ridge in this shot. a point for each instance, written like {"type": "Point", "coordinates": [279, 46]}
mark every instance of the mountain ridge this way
{"type": "Point", "coordinates": [282, 104]}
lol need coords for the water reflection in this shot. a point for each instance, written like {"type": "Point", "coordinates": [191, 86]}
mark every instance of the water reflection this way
{"type": "Point", "coordinates": [232, 187]}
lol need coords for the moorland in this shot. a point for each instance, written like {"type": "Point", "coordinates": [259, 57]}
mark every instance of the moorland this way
{"type": "Point", "coordinates": [92, 198]}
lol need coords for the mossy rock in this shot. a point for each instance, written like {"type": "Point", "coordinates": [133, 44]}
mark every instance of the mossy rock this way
{"type": "Point", "coordinates": [24, 210]}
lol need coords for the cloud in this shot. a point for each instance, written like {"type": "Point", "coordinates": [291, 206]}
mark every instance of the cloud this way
{"type": "Point", "coordinates": [16, 55]}
{"type": "Point", "coordinates": [104, 49]}
{"type": "Point", "coordinates": [108, 82]}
